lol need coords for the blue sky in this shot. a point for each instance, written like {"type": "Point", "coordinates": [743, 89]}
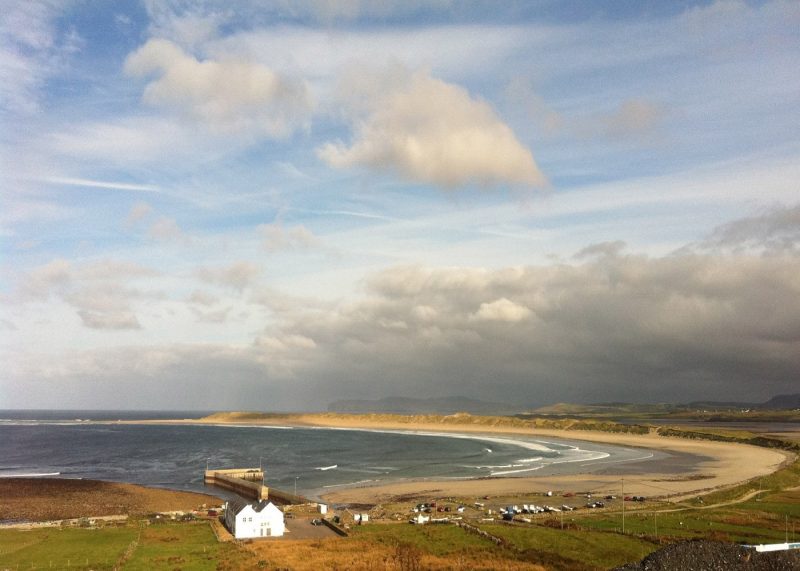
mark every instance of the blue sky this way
{"type": "Point", "coordinates": [228, 205]}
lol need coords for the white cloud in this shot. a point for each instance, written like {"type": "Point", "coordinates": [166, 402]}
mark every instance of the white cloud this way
{"type": "Point", "coordinates": [276, 237]}
{"type": "Point", "coordinates": [431, 131]}
{"type": "Point", "coordinates": [189, 27]}
{"type": "Point", "coordinates": [501, 310]}
{"type": "Point", "coordinates": [31, 51]}
{"type": "Point", "coordinates": [166, 229]}
{"type": "Point", "coordinates": [41, 281]}
{"type": "Point", "coordinates": [97, 291]}
{"type": "Point", "coordinates": [285, 343]}
{"type": "Point", "coordinates": [237, 275]}
{"type": "Point", "coordinates": [203, 298]}
{"type": "Point", "coordinates": [127, 141]}
{"type": "Point", "coordinates": [111, 185]}
{"type": "Point", "coordinates": [228, 95]}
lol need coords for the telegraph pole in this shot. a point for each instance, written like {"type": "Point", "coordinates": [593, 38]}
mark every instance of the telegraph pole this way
{"type": "Point", "coordinates": [623, 505]}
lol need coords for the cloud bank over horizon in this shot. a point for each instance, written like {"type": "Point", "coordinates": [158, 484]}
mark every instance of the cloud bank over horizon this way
{"type": "Point", "coordinates": [218, 206]}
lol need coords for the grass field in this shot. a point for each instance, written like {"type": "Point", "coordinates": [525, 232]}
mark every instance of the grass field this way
{"type": "Point", "coordinates": [64, 548]}
{"type": "Point", "coordinates": [576, 548]}
{"type": "Point", "coordinates": [185, 546]}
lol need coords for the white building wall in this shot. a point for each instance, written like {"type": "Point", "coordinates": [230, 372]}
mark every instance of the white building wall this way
{"type": "Point", "coordinates": [266, 523]}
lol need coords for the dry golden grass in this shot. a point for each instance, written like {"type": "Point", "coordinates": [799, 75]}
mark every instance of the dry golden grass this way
{"type": "Point", "coordinates": [355, 554]}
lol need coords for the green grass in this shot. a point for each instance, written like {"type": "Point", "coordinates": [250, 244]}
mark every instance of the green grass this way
{"type": "Point", "coordinates": [777, 503]}
{"type": "Point", "coordinates": [187, 546]}
{"type": "Point", "coordinates": [64, 548]}
{"type": "Point", "coordinates": [440, 540]}
{"type": "Point", "coordinates": [593, 548]}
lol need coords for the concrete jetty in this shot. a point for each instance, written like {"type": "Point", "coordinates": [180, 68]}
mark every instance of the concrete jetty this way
{"type": "Point", "coordinates": [247, 482]}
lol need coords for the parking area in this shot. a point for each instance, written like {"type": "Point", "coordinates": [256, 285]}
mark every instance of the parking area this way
{"type": "Point", "coordinates": [301, 528]}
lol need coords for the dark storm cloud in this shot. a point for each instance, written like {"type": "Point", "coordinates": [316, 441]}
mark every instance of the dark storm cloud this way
{"type": "Point", "coordinates": [610, 326]}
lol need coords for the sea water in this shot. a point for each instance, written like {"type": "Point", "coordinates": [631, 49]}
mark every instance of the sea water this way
{"type": "Point", "coordinates": [92, 445]}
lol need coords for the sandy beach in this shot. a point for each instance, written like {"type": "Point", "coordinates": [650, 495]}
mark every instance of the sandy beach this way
{"type": "Point", "coordinates": [714, 464]}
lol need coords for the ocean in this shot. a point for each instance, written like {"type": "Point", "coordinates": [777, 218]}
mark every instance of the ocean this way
{"type": "Point", "coordinates": [91, 445]}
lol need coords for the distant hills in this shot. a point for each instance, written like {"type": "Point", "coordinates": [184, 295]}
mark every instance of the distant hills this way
{"type": "Point", "coordinates": [778, 402]}
{"type": "Point", "coordinates": [444, 405]}
{"type": "Point", "coordinates": [450, 405]}
{"type": "Point", "coordinates": [782, 402]}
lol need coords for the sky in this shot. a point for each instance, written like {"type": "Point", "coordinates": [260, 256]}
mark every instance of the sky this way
{"type": "Point", "coordinates": [275, 205]}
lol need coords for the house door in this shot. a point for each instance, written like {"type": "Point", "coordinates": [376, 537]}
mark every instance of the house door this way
{"type": "Point", "coordinates": [262, 532]}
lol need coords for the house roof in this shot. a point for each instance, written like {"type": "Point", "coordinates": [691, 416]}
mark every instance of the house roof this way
{"type": "Point", "coordinates": [238, 505]}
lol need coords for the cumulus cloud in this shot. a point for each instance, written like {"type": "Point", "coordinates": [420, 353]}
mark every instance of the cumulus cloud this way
{"type": "Point", "coordinates": [775, 230]}
{"type": "Point", "coordinates": [204, 298]}
{"type": "Point", "coordinates": [227, 95]}
{"type": "Point", "coordinates": [42, 280]}
{"type": "Point", "coordinates": [501, 310]}
{"type": "Point", "coordinates": [98, 291]}
{"type": "Point", "coordinates": [237, 275]}
{"type": "Point", "coordinates": [208, 308]}
{"type": "Point", "coordinates": [612, 327]}
{"type": "Point", "coordinates": [277, 237]}
{"type": "Point", "coordinates": [427, 130]}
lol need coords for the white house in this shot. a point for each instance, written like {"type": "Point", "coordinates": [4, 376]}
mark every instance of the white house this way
{"type": "Point", "coordinates": [259, 519]}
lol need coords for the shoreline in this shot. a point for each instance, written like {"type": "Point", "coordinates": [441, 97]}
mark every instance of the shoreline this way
{"type": "Point", "coordinates": [716, 465]}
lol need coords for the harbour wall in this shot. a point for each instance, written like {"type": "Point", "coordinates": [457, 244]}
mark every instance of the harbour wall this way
{"type": "Point", "coordinates": [246, 482]}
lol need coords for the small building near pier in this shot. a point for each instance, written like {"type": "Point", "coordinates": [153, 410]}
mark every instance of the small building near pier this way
{"type": "Point", "coordinates": [258, 519]}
